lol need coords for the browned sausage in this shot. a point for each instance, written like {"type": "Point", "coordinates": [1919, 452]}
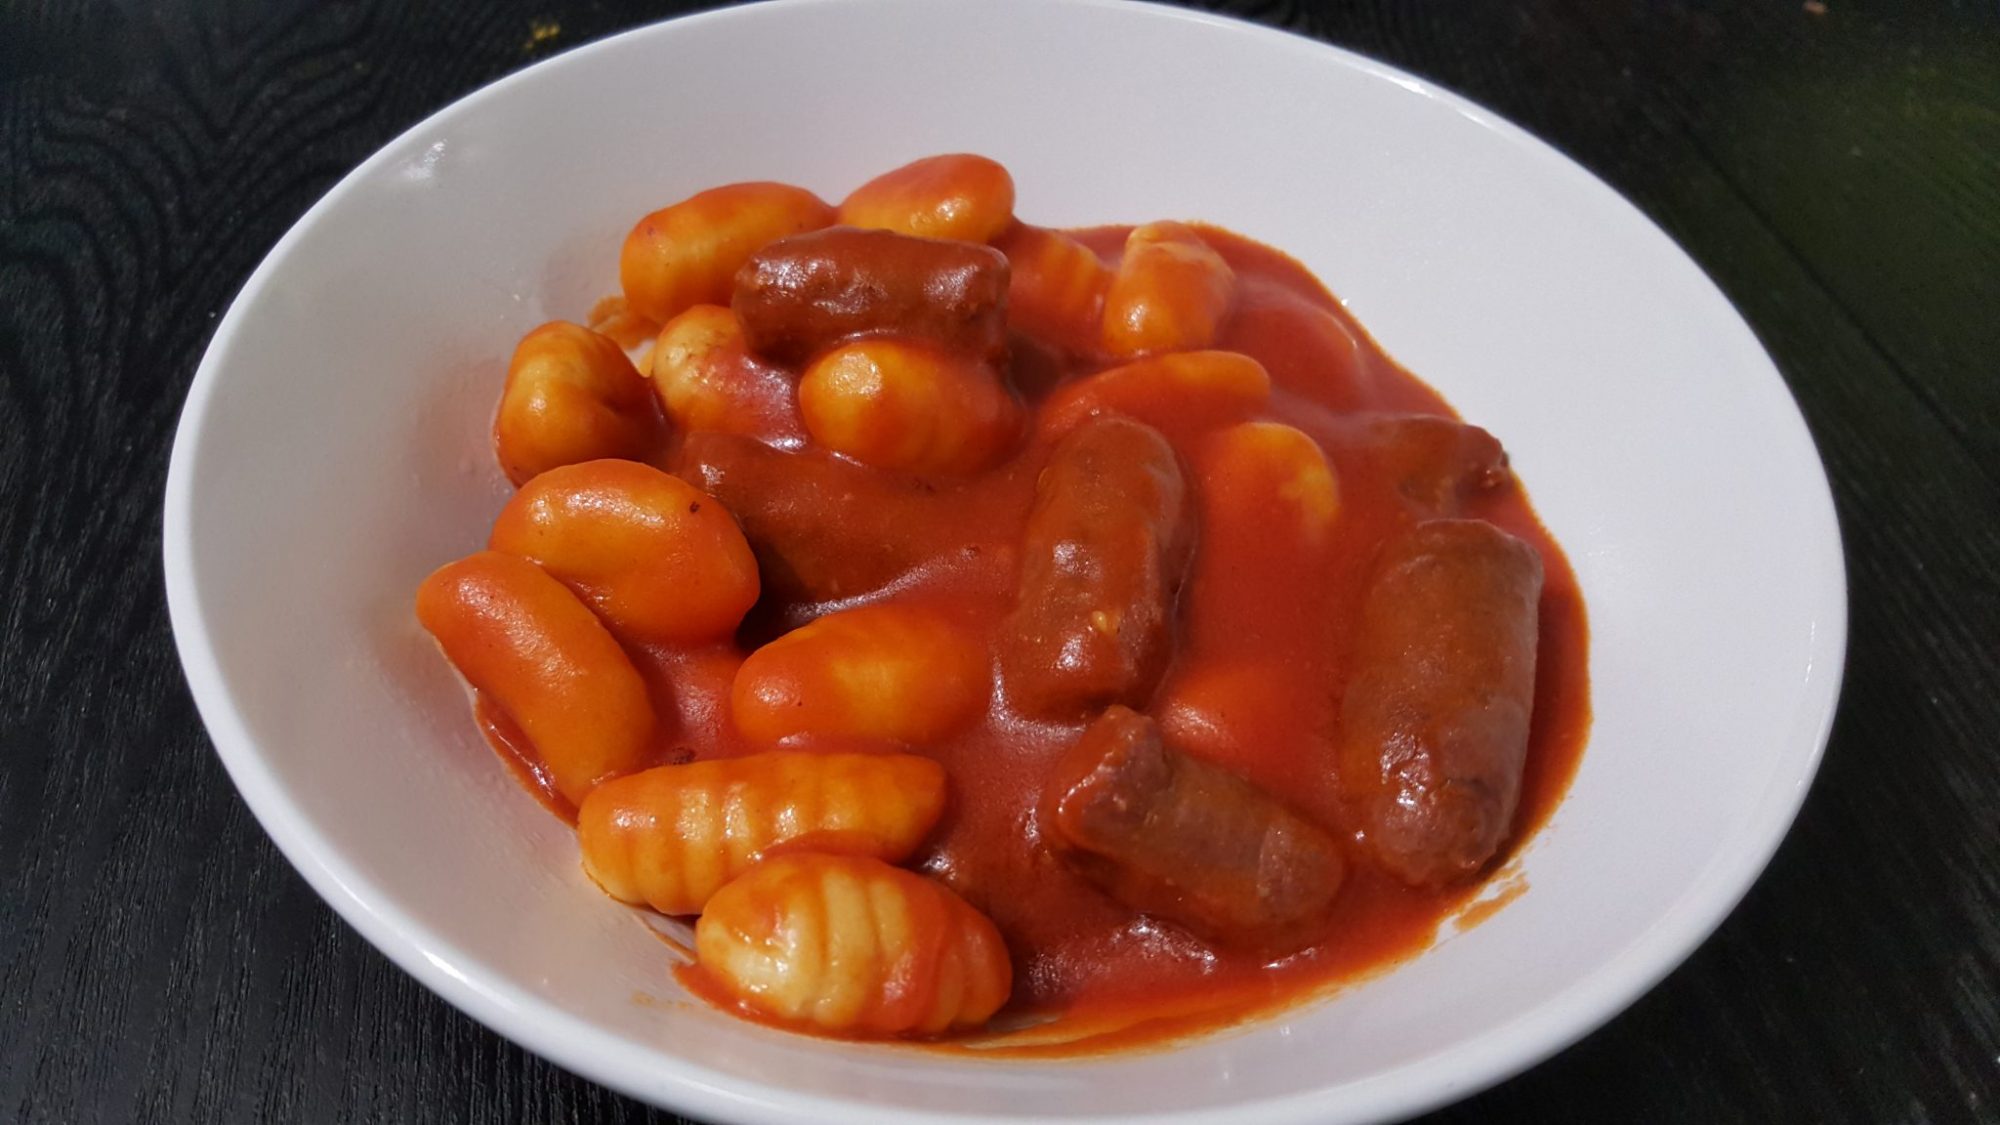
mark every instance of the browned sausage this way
{"type": "Point", "coordinates": [1434, 463]}
{"type": "Point", "coordinates": [801, 295]}
{"type": "Point", "coordinates": [1101, 562]}
{"type": "Point", "coordinates": [822, 528]}
{"type": "Point", "coordinates": [1184, 840]}
{"type": "Point", "coordinates": [1434, 726]}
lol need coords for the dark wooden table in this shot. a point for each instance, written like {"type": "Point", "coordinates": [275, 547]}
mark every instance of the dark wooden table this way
{"type": "Point", "coordinates": [1835, 167]}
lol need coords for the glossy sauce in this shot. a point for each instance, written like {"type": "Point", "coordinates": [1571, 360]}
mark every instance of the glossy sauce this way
{"type": "Point", "coordinates": [1089, 974]}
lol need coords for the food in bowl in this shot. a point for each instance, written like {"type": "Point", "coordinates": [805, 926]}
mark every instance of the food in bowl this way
{"type": "Point", "coordinates": [982, 627]}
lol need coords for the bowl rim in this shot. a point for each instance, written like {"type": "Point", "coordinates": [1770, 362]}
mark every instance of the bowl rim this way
{"type": "Point", "coordinates": [659, 1077]}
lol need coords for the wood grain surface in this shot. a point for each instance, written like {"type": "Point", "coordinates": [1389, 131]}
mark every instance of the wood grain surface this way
{"type": "Point", "coordinates": [1835, 167]}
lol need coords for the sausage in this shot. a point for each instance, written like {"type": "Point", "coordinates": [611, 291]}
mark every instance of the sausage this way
{"type": "Point", "coordinates": [1434, 463]}
{"type": "Point", "coordinates": [1434, 725]}
{"type": "Point", "coordinates": [821, 528]}
{"type": "Point", "coordinates": [1106, 546]}
{"type": "Point", "coordinates": [1176, 837]}
{"type": "Point", "coordinates": [801, 295]}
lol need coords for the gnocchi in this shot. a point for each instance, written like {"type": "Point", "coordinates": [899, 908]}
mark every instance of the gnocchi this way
{"type": "Point", "coordinates": [957, 196]}
{"type": "Point", "coordinates": [1179, 394]}
{"type": "Point", "coordinates": [1170, 293]}
{"type": "Point", "coordinates": [892, 671]}
{"type": "Point", "coordinates": [658, 558]}
{"type": "Point", "coordinates": [571, 395]}
{"type": "Point", "coordinates": [1274, 476]}
{"type": "Point", "coordinates": [908, 406]}
{"type": "Point", "coordinates": [521, 638]}
{"type": "Point", "coordinates": [688, 254]}
{"type": "Point", "coordinates": [708, 382]}
{"type": "Point", "coordinates": [851, 945]}
{"type": "Point", "coordinates": [1057, 286]}
{"type": "Point", "coordinates": [671, 836]}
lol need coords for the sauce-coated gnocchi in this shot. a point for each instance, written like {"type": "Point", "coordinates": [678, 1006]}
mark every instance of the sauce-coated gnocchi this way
{"type": "Point", "coordinates": [894, 672]}
{"type": "Point", "coordinates": [963, 197]}
{"type": "Point", "coordinates": [571, 395]}
{"type": "Point", "coordinates": [673, 835]}
{"type": "Point", "coordinates": [523, 639]}
{"type": "Point", "coordinates": [654, 555]}
{"type": "Point", "coordinates": [851, 945]}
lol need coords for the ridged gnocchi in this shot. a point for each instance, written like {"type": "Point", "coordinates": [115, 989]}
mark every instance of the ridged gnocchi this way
{"type": "Point", "coordinates": [688, 254]}
{"type": "Point", "coordinates": [1056, 286]}
{"type": "Point", "coordinates": [708, 382]}
{"type": "Point", "coordinates": [657, 557]}
{"type": "Point", "coordinates": [890, 671]}
{"type": "Point", "coordinates": [524, 640]}
{"type": "Point", "coordinates": [958, 196]}
{"type": "Point", "coordinates": [671, 836]}
{"type": "Point", "coordinates": [1273, 476]}
{"type": "Point", "coordinates": [908, 406]}
{"type": "Point", "coordinates": [571, 395]}
{"type": "Point", "coordinates": [1176, 394]}
{"type": "Point", "coordinates": [1171, 293]}
{"type": "Point", "coordinates": [851, 945]}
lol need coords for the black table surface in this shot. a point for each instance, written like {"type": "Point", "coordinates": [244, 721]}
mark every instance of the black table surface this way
{"type": "Point", "coordinates": [1834, 166]}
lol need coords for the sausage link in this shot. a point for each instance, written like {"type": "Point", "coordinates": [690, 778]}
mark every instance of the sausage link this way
{"type": "Point", "coordinates": [1106, 546]}
{"type": "Point", "coordinates": [1434, 726]}
{"type": "Point", "coordinates": [822, 528]}
{"type": "Point", "coordinates": [1434, 463]}
{"type": "Point", "coordinates": [801, 295]}
{"type": "Point", "coordinates": [1191, 842]}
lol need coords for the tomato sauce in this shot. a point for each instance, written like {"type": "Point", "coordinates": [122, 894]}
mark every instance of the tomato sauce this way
{"type": "Point", "coordinates": [1255, 684]}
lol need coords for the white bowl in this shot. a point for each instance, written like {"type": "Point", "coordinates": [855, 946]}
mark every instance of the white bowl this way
{"type": "Point", "coordinates": [335, 448]}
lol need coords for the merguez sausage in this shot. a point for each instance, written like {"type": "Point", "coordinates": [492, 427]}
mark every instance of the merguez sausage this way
{"type": "Point", "coordinates": [801, 295]}
{"type": "Point", "coordinates": [1434, 726]}
{"type": "Point", "coordinates": [822, 528]}
{"type": "Point", "coordinates": [1188, 841]}
{"type": "Point", "coordinates": [1434, 463]}
{"type": "Point", "coordinates": [1101, 563]}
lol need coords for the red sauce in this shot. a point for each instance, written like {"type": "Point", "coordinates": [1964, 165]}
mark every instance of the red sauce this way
{"type": "Point", "coordinates": [1090, 975]}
